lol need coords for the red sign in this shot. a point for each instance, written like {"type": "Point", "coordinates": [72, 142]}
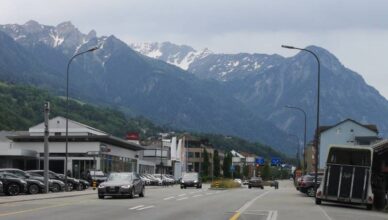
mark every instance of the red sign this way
{"type": "Point", "coordinates": [133, 136]}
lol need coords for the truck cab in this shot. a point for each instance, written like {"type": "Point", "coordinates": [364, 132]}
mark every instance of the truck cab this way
{"type": "Point", "coordinates": [347, 176]}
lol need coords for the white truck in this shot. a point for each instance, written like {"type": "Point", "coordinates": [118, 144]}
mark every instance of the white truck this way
{"type": "Point", "coordinates": [347, 176]}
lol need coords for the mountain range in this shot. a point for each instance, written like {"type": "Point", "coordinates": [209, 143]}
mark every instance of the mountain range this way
{"type": "Point", "coordinates": [233, 94]}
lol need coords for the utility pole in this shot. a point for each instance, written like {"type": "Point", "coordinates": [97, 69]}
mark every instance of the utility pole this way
{"type": "Point", "coordinates": [46, 145]}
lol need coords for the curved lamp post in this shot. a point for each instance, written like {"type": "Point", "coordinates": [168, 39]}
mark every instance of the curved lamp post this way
{"type": "Point", "coordinates": [304, 135]}
{"type": "Point", "coordinates": [67, 107]}
{"type": "Point", "coordinates": [316, 137]}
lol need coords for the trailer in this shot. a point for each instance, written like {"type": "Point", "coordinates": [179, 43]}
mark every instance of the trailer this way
{"type": "Point", "coordinates": [347, 176]}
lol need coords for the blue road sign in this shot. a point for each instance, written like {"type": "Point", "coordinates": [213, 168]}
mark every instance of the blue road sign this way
{"type": "Point", "coordinates": [260, 160]}
{"type": "Point", "coordinates": [275, 161]}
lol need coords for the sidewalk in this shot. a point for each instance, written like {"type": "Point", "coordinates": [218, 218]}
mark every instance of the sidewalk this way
{"type": "Point", "coordinates": [27, 197]}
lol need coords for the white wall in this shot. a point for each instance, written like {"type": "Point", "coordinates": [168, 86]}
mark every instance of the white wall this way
{"type": "Point", "coordinates": [342, 135]}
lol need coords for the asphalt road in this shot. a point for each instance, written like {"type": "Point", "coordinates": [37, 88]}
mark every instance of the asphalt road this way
{"type": "Point", "coordinates": [175, 203]}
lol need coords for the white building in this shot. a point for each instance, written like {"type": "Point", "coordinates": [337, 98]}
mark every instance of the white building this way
{"type": "Point", "coordinates": [347, 132]}
{"type": "Point", "coordinates": [88, 148]}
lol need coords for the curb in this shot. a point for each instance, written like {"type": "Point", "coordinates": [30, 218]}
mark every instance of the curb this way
{"type": "Point", "coordinates": [44, 198]}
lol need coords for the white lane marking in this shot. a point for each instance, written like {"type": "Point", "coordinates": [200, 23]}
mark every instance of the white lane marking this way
{"type": "Point", "coordinates": [193, 192]}
{"type": "Point", "coordinates": [272, 215]}
{"type": "Point", "coordinates": [181, 199]}
{"type": "Point", "coordinates": [136, 207]}
{"type": "Point", "coordinates": [209, 193]}
{"type": "Point", "coordinates": [197, 195]}
{"type": "Point", "coordinates": [249, 203]}
{"type": "Point", "coordinates": [147, 207]}
{"type": "Point", "coordinates": [182, 194]}
{"type": "Point", "coordinates": [324, 212]}
{"type": "Point", "coordinates": [168, 198]}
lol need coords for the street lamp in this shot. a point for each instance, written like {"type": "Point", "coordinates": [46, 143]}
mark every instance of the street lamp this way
{"type": "Point", "coordinates": [298, 147]}
{"type": "Point", "coordinates": [67, 106]}
{"type": "Point", "coordinates": [316, 137]}
{"type": "Point", "coordinates": [304, 136]}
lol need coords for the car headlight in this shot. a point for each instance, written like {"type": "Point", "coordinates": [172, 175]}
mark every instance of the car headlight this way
{"type": "Point", "coordinates": [23, 182]}
{"type": "Point", "coordinates": [182, 181]}
{"type": "Point", "coordinates": [77, 181]}
{"type": "Point", "coordinates": [101, 186]}
{"type": "Point", "coordinates": [195, 181]}
{"type": "Point", "coordinates": [126, 186]}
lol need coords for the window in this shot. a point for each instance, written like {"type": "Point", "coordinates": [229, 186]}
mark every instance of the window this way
{"type": "Point", "coordinates": [190, 154]}
{"type": "Point", "coordinates": [197, 155]}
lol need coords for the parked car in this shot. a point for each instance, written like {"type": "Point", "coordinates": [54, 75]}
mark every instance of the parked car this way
{"type": "Point", "coordinates": [153, 180]}
{"type": "Point", "coordinates": [33, 186]}
{"type": "Point", "coordinates": [191, 180]}
{"type": "Point", "coordinates": [1, 187]}
{"type": "Point", "coordinates": [72, 183]}
{"type": "Point", "coordinates": [97, 175]}
{"type": "Point", "coordinates": [307, 184]}
{"type": "Point", "coordinates": [12, 186]}
{"type": "Point", "coordinates": [274, 184]}
{"type": "Point", "coordinates": [146, 180]}
{"type": "Point", "coordinates": [54, 185]}
{"type": "Point", "coordinates": [256, 182]}
{"type": "Point", "coordinates": [159, 180]}
{"type": "Point", "coordinates": [122, 184]}
{"type": "Point", "coordinates": [245, 182]}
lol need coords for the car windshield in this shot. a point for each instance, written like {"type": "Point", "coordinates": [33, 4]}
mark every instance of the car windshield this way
{"type": "Point", "coordinates": [35, 174]}
{"type": "Point", "coordinates": [120, 177]}
{"type": "Point", "coordinates": [190, 176]}
{"type": "Point", "coordinates": [97, 173]}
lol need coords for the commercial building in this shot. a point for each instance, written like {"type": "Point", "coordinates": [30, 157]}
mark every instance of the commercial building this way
{"type": "Point", "coordinates": [88, 148]}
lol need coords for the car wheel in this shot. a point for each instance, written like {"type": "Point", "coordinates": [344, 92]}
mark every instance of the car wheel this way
{"type": "Point", "coordinates": [181, 187]}
{"type": "Point", "coordinates": [70, 186]}
{"type": "Point", "coordinates": [132, 193]}
{"type": "Point", "coordinates": [262, 187]}
{"type": "Point", "coordinates": [310, 192]}
{"type": "Point", "coordinates": [33, 189]}
{"type": "Point", "coordinates": [141, 194]}
{"type": "Point", "coordinates": [13, 189]}
{"type": "Point", "coordinates": [318, 201]}
{"type": "Point", "coordinates": [80, 187]}
{"type": "Point", "coordinates": [56, 187]}
{"type": "Point", "coordinates": [249, 186]}
{"type": "Point", "coordinates": [100, 196]}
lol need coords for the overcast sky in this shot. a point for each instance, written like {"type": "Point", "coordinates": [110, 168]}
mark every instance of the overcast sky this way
{"type": "Point", "coordinates": [355, 31]}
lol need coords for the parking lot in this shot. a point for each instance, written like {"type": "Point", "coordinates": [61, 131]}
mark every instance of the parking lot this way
{"type": "Point", "coordinates": [171, 202]}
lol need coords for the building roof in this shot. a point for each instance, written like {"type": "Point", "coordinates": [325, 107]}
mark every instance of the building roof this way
{"type": "Point", "coordinates": [108, 139]}
{"type": "Point", "coordinates": [371, 127]}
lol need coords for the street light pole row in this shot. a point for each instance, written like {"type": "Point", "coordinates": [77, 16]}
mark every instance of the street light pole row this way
{"type": "Point", "coordinates": [317, 135]}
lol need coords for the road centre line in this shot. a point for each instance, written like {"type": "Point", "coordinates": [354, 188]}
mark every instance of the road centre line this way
{"type": "Point", "coordinates": [182, 194]}
{"type": "Point", "coordinates": [35, 209]}
{"type": "Point", "coordinates": [136, 207]}
{"type": "Point", "coordinates": [197, 195]}
{"type": "Point", "coordinates": [147, 207]}
{"type": "Point", "coordinates": [168, 198]}
{"type": "Point", "coordinates": [181, 199]}
{"type": "Point", "coordinates": [237, 213]}
{"type": "Point", "coordinates": [209, 194]}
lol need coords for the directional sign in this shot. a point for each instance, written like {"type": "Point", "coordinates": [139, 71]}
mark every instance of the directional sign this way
{"type": "Point", "coordinates": [275, 161]}
{"type": "Point", "coordinates": [260, 160]}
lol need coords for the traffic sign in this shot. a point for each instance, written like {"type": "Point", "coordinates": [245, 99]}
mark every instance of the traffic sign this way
{"type": "Point", "coordinates": [260, 160]}
{"type": "Point", "coordinates": [275, 161]}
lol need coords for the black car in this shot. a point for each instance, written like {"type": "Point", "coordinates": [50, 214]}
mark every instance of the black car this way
{"type": "Point", "coordinates": [256, 182]}
{"type": "Point", "coordinates": [191, 180]}
{"type": "Point", "coordinates": [33, 186]}
{"type": "Point", "coordinates": [72, 183]}
{"type": "Point", "coordinates": [122, 184]}
{"type": "Point", "coordinates": [12, 186]}
{"type": "Point", "coordinates": [54, 185]}
{"type": "Point", "coordinates": [1, 187]}
{"type": "Point", "coordinates": [307, 184]}
{"type": "Point", "coordinates": [96, 175]}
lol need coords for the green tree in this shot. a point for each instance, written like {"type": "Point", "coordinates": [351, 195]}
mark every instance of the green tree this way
{"type": "Point", "coordinates": [227, 164]}
{"type": "Point", "coordinates": [216, 164]}
{"type": "Point", "coordinates": [206, 162]}
{"type": "Point", "coordinates": [266, 172]}
{"type": "Point", "coordinates": [245, 171]}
